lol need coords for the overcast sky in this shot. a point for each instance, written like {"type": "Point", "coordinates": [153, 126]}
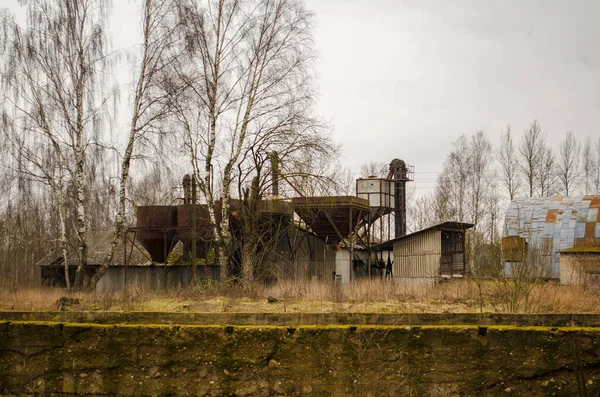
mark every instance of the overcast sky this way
{"type": "Point", "coordinates": [405, 78]}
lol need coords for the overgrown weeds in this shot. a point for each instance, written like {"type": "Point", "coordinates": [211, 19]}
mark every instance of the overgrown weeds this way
{"type": "Point", "coordinates": [377, 295]}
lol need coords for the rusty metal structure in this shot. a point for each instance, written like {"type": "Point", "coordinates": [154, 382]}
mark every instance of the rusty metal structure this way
{"type": "Point", "coordinates": [332, 218]}
{"type": "Point", "coordinates": [156, 230]}
{"type": "Point", "coordinates": [550, 225]}
{"type": "Point", "coordinates": [328, 237]}
{"type": "Point", "coordinates": [337, 220]}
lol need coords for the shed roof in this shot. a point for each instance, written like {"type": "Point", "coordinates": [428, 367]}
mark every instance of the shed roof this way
{"type": "Point", "coordinates": [446, 226]}
{"type": "Point", "coordinates": [98, 243]}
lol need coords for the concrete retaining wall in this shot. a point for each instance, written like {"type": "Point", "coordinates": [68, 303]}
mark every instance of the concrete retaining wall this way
{"type": "Point", "coordinates": [298, 319]}
{"type": "Point", "coordinates": [149, 360]}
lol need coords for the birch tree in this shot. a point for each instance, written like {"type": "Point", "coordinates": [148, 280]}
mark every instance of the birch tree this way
{"type": "Point", "coordinates": [154, 91]}
{"type": "Point", "coordinates": [568, 165]}
{"type": "Point", "coordinates": [54, 79]}
{"type": "Point", "coordinates": [249, 74]}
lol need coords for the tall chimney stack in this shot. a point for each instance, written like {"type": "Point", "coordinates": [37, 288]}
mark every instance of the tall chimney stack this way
{"type": "Point", "coordinates": [398, 172]}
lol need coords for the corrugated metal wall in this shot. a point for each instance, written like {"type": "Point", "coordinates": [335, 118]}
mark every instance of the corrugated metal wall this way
{"type": "Point", "coordinates": [553, 224]}
{"type": "Point", "coordinates": [418, 256]}
{"type": "Point", "coordinates": [312, 257]}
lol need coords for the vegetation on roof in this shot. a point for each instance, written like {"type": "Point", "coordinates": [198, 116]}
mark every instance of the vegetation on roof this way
{"type": "Point", "coordinates": [582, 250]}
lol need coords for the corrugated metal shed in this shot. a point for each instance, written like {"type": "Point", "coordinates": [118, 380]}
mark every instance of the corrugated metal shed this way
{"type": "Point", "coordinates": [553, 224]}
{"type": "Point", "coordinates": [429, 254]}
{"type": "Point", "coordinates": [418, 256]}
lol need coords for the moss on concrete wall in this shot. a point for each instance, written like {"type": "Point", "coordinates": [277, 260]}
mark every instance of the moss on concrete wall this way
{"type": "Point", "coordinates": [158, 360]}
{"type": "Point", "coordinates": [296, 319]}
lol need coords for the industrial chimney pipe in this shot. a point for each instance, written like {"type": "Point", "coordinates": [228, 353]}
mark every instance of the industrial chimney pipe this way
{"type": "Point", "coordinates": [398, 172]}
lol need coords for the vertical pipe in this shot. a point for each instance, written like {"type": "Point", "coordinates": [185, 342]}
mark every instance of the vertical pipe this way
{"type": "Point", "coordinates": [399, 172]}
{"type": "Point", "coordinates": [400, 208]}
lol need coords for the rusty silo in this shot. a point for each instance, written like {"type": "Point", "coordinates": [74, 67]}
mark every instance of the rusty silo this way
{"type": "Point", "coordinates": [156, 230]}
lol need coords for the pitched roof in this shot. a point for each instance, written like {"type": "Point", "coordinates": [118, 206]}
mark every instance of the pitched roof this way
{"type": "Point", "coordinates": [98, 244]}
{"type": "Point", "coordinates": [447, 226]}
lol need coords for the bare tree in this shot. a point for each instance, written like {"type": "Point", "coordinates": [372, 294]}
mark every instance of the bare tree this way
{"type": "Point", "coordinates": [284, 153]}
{"type": "Point", "coordinates": [152, 98]}
{"type": "Point", "coordinates": [454, 180]}
{"type": "Point", "coordinates": [479, 178]}
{"type": "Point", "coordinates": [54, 75]}
{"type": "Point", "coordinates": [464, 182]}
{"type": "Point", "coordinates": [316, 176]}
{"type": "Point", "coordinates": [568, 165]}
{"type": "Point", "coordinates": [509, 163]}
{"type": "Point", "coordinates": [421, 213]}
{"type": "Point", "coordinates": [493, 211]}
{"type": "Point", "coordinates": [587, 166]}
{"type": "Point", "coordinates": [374, 168]}
{"type": "Point", "coordinates": [28, 224]}
{"type": "Point", "coordinates": [547, 173]}
{"type": "Point", "coordinates": [248, 77]}
{"type": "Point", "coordinates": [443, 207]}
{"type": "Point", "coordinates": [531, 150]}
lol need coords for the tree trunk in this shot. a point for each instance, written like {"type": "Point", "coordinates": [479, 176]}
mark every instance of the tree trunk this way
{"type": "Point", "coordinates": [120, 217]}
{"type": "Point", "coordinates": [58, 195]}
{"type": "Point", "coordinates": [248, 261]}
{"type": "Point", "coordinates": [81, 220]}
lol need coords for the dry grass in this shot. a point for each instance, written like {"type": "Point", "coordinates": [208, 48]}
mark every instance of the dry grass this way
{"type": "Point", "coordinates": [458, 296]}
